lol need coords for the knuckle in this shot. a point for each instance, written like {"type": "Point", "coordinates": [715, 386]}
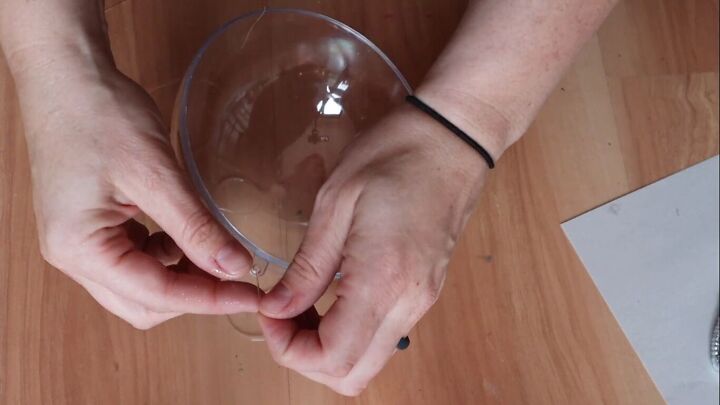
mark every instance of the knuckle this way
{"type": "Point", "coordinates": [283, 359]}
{"type": "Point", "coordinates": [141, 324]}
{"type": "Point", "coordinates": [351, 389]}
{"type": "Point", "coordinates": [305, 269]}
{"type": "Point", "coordinates": [353, 185]}
{"type": "Point", "coordinates": [198, 229]}
{"type": "Point", "coordinates": [331, 190]}
{"type": "Point", "coordinates": [431, 290]}
{"type": "Point", "coordinates": [148, 168]}
{"type": "Point", "coordinates": [54, 247]}
{"type": "Point", "coordinates": [325, 196]}
{"type": "Point", "coordinates": [51, 253]}
{"type": "Point", "coordinates": [326, 203]}
{"type": "Point", "coordinates": [156, 176]}
{"type": "Point", "coordinates": [429, 296]}
{"type": "Point", "coordinates": [340, 370]}
{"type": "Point", "coordinates": [334, 193]}
{"type": "Point", "coordinates": [142, 319]}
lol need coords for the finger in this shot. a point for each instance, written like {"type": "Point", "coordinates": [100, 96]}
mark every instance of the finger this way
{"type": "Point", "coordinates": [398, 322]}
{"type": "Point", "coordinates": [340, 385]}
{"type": "Point", "coordinates": [381, 349]}
{"type": "Point", "coordinates": [383, 346]}
{"type": "Point", "coordinates": [161, 246]}
{"type": "Point", "coordinates": [342, 337]}
{"type": "Point", "coordinates": [317, 260]}
{"type": "Point", "coordinates": [308, 320]}
{"type": "Point", "coordinates": [133, 313]}
{"type": "Point", "coordinates": [139, 277]}
{"type": "Point", "coordinates": [187, 267]}
{"type": "Point", "coordinates": [365, 297]}
{"type": "Point", "coordinates": [166, 197]}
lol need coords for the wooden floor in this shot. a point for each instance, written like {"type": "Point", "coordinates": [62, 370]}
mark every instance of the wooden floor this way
{"type": "Point", "coordinates": [519, 320]}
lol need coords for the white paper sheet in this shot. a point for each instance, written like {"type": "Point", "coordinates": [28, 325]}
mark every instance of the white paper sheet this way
{"type": "Point", "coordinates": [653, 254]}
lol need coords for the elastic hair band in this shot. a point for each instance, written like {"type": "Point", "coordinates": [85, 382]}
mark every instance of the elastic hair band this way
{"type": "Point", "coordinates": [449, 125]}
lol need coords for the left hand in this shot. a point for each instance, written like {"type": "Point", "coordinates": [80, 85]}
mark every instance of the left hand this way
{"type": "Point", "coordinates": [387, 218]}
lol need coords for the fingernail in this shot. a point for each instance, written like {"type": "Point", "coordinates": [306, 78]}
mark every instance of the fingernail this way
{"type": "Point", "coordinates": [277, 299]}
{"type": "Point", "coordinates": [232, 259]}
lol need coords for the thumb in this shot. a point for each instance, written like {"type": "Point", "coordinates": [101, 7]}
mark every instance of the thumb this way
{"type": "Point", "coordinates": [161, 191]}
{"type": "Point", "coordinates": [317, 260]}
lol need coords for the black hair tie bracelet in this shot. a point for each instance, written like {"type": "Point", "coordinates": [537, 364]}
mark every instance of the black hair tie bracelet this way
{"type": "Point", "coordinates": [454, 129]}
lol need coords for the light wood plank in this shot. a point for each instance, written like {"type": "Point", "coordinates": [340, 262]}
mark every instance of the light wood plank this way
{"type": "Point", "coordinates": [666, 122]}
{"type": "Point", "coordinates": [519, 320]}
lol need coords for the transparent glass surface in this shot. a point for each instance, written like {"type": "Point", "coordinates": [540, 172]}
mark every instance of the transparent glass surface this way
{"type": "Point", "coordinates": [265, 109]}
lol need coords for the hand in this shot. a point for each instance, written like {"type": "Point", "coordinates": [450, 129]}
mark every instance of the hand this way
{"type": "Point", "coordinates": [387, 218]}
{"type": "Point", "coordinates": [100, 157]}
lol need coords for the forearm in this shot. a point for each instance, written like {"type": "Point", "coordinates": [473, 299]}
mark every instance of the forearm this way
{"type": "Point", "coordinates": [38, 33]}
{"type": "Point", "coordinates": [503, 62]}
{"type": "Point", "coordinates": [58, 52]}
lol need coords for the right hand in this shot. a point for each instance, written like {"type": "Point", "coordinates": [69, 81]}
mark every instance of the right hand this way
{"type": "Point", "coordinates": [100, 156]}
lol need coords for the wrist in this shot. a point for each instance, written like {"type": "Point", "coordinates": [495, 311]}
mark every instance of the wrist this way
{"type": "Point", "coordinates": [492, 128]}
{"type": "Point", "coordinates": [461, 166]}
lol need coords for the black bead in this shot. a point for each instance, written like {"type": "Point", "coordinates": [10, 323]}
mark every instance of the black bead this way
{"type": "Point", "coordinates": [403, 343]}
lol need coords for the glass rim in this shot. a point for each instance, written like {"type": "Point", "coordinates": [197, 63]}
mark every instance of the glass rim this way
{"type": "Point", "coordinates": [185, 144]}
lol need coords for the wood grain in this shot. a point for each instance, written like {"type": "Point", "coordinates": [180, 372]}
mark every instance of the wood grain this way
{"type": "Point", "coordinates": [519, 320]}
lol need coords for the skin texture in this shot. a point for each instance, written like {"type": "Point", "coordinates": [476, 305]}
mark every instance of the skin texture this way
{"type": "Point", "coordinates": [388, 216]}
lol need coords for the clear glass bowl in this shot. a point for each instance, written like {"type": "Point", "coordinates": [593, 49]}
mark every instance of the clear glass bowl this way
{"type": "Point", "coordinates": [263, 113]}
